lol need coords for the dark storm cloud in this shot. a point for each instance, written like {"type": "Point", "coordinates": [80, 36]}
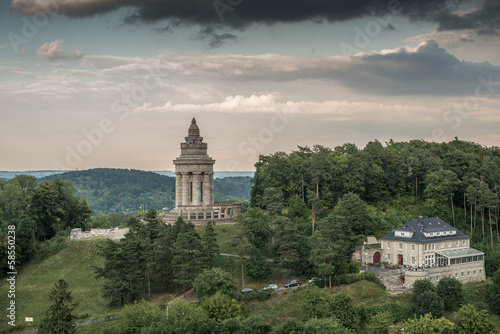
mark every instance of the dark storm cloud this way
{"type": "Point", "coordinates": [239, 14]}
{"type": "Point", "coordinates": [484, 20]}
{"type": "Point", "coordinates": [214, 39]}
{"type": "Point", "coordinates": [429, 70]}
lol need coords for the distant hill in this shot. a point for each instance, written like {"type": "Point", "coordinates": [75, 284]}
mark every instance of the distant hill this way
{"type": "Point", "coordinates": [125, 190]}
{"type": "Point", "coordinates": [121, 190]}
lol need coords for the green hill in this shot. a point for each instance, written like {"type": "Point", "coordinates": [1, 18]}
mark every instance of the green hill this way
{"type": "Point", "coordinates": [73, 264]}
{"type": "Point", "coordinates": [125, 190]}
{"type": "Point", "coordinates": [121, 190]}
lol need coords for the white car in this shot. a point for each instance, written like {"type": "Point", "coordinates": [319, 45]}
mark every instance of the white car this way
{"type": "Point", "coordinates": [271, 286]}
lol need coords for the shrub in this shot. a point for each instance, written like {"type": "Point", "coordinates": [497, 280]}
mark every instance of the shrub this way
{"type": "Point", "coordinates": [452, 293]}
{"type": "Point", "coordinates": [211, 281]}
{"type": "Point", "coordinates": [220, 307]}
{"type": "Point", "coordinates": [139, 315]}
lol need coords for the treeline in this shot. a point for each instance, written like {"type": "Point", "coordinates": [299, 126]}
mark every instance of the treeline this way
{"type": "Point", "coordinates": [124, 191]}
{"type": "Point", "coordinates": [458, 181]}
{"type": "Point", "coordinates": [37, 212]}
{"type": "Point", "coordinates": [154, 256]}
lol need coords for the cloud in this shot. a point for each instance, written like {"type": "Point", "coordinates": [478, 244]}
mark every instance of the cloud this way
{"type": "Point", "coordinates": [484, 20]}
{"type": "Point", "coordinates": [239, 14]}
{"type": "Point", "coordinates": [335, 110]}
{"type": "Point", "coordinates": [214, 39]}
{"type": "Point", "coordinates": [54, 51]}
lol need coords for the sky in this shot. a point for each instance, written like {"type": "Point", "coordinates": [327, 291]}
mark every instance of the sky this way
{"type": "Point", "coordinates": [115, 83]}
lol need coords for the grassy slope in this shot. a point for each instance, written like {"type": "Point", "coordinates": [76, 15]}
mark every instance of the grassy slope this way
{"type": "Point", "coordinates": [73, 264]}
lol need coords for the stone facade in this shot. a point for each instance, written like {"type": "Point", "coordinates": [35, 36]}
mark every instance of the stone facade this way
{"type": "Point", "coordinates": [194, 184]}
{"type": "Point", "coordinates": [425, 248]}
{"type": "Point", "coordinates": [465, 273]}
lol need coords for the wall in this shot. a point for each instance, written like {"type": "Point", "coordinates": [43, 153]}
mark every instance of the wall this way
{"type": "Point", "coordinates": [472, 272]}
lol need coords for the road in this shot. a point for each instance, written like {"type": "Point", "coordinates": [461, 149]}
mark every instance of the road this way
{"type": "Point", "coordinates": [246, 256]}
{"type": "Point", "coordinates": [80, 323]}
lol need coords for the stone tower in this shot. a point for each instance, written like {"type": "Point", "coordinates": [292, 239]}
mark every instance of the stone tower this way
{"type": "Point", "coordinates": [194, 184]}
{"type": "Point", "coordinates": [194, 174]}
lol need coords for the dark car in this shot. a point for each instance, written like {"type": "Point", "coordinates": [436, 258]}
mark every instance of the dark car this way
{"type": "Point", "coordinates": [292, 283]}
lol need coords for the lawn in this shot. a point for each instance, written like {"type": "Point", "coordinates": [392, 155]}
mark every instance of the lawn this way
{"type": "Point", "coordinates": [73, 264]}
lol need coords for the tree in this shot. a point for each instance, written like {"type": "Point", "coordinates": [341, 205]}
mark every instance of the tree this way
{"type": "Point", "coordinates": [209, 240]}
{"type": "Point", "coordinates": [471, 320]}
{"type": "Point", "coordinates": [451, 292]}
{"type": "Point", "coordinates": [288, 241]}
{"type": "Point", "coordinates": [214, 280]}
{"type": "Point", "coordinates": [273, 203]}
{"type": "Point", "coordinates": [59, 317]}
{"type": "Point", "coordinates": [186, 317]}
{"type": "Point", "coordinates": [354, 210]}
{"type": "Point", "coordinates": [332, 245]}
{"type": "Point", "coordinates": [426, 324]}
{"type": "Point", "coordinates": [441, 186]}
{"type": "Point", "coordinates": [494, 298]}
{"type": "Point", "coordinates": [139, 315]}
{"type": "Point", "coordinates": [258, 267]}
{"type": "Point", "coordinates": [379, 323]}
{"type": "Point", "coordinates": [420, 286]}
{"type": "Point", "coordinates": [240, 240]}
{"type": "Point", "coordinates": [314, 303]}
{"type": "Point", "coordinates": [256, 223]}
{"type": "Point", "coordinates": [221, 307]}
{"type": "Point", "coordinates": [324, 326]}
{"type": "Point", "coordinates": [190, 258]}
{"type": "Point", "coordinates": [429, 302]}
{"type": "Point", "coordinates": [116, 272]}
{"type": "Point", "coordinates": [341, 308]}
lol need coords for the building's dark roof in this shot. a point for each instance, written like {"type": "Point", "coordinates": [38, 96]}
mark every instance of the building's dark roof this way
{"type": "Point", "coordinates": [421, 225]}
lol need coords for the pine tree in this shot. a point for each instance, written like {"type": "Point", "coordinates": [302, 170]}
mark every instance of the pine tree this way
{"type": "Point", "coordinates": [210, 241]}
{"type": "Point", "coordinates": [58, 317]}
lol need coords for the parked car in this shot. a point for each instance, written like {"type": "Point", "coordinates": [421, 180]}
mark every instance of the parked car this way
{"type": "Point", "coordinates": [247, 290]}
{"type": "Point", "coordinates": [270, 287]}
{"type": "Point", "coordinates": [319, 282]}
{"type": "Point", "coordinates": [292, 283]}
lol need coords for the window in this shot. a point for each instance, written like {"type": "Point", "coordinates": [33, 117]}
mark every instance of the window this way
{"type": "Point", "coordinates": [432, 246]}
{"type": "Point", "coordinates": [437, 278]}
{"type": "Point", "coordinates": [413, 260]}
{"type": "Point", "coordinates": [425, 247]}
{"type": "Point", "coordinates": [442, 245]}
{"type": "Point", "coordinates": [388, 244]}
{"type": "Point", "coordinates": [190, 191]}
{"type": "Point", "coordinates": [474, 272]}
{"type": "Point", "coordinates": [464, 242]}
{"type": "Point", "coordinates": [468, 273]}
{"type": "Point", "coordinates": [449, 243]}
{"type": "Point", "coordinates": [462, 274]}
{"type": "Point", "coordinates": [412, 247]}
{"type": "Point", "coordinates": [480, 270]}
{"type": "Point", "coordinates": [457, 243]}
{"type": "Point", "coordinates": [400, 246]}
{"type": "Point", "coordinates": [456, 275]}
{"type": "Point", "coordinates": [388, 257]}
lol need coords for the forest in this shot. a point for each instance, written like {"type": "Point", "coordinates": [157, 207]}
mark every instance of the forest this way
{"type": "Point", "coordinates": [458, 181]}
{"type": "Point", "coordinates": [123, 191]}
